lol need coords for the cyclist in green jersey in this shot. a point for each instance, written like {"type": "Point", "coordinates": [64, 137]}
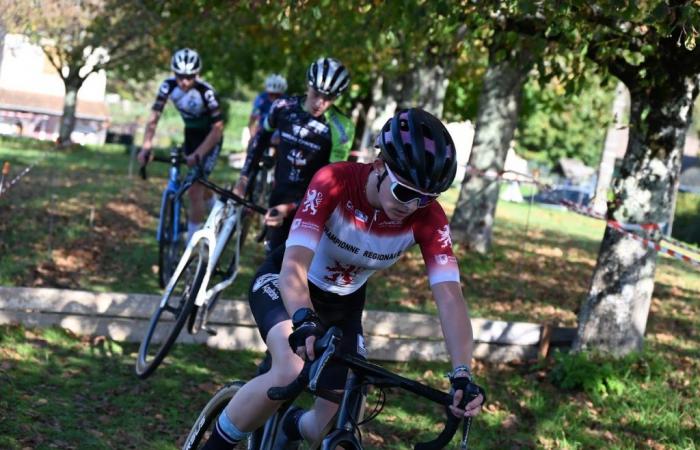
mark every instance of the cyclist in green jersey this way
{"type": "Point", "coordinates": [312, 132]}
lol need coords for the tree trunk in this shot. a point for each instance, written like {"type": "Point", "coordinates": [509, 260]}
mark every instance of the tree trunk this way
{"type": "Point", "coordinates": [497, 119]}
{"type": "Point", "coordinates": [369, 130]}
{"type": "Point", "coordinates": [613, 139]}
{"type": "Point", "coordinates": [70, 103]}
{"type": "Point", "coordinates": [614, 315]}
{"type": "Point", "coordinates": [425, 87]}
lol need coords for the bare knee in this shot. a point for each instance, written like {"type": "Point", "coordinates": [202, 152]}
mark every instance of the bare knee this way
{"type": "Point", "coordinates": [285, 364]}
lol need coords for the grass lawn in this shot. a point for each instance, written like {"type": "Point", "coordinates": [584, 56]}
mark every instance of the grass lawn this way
{"type": "Point", "coordinates": [77, 221]}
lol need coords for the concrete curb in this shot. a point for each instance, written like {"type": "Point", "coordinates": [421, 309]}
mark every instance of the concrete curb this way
{"type": "Point", "coordinates": [389, 336]}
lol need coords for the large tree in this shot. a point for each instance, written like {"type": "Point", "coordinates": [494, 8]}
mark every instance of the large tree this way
{"type": "Point", "coordinates": [496, 122]}
{"type": "Point", "coordinates": [80, 38]}
{"type": "Point", "coordinates": [650, 47]}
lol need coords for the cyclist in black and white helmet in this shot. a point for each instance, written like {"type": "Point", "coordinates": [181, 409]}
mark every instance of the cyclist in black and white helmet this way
{"type": "Point", "coordinates": [328, 76]}
{"type": "Point", "coordinates": [186, 62]}
{"type": "Point", "coordinates": [275, 87]}
{"type": "Point", "coordinates": [312, 132]}
{"type": "Point", "coordinates": [204, 126]}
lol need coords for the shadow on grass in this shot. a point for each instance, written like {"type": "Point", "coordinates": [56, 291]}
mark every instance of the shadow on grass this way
{"type": "Point", "coordinates": [68, 392]}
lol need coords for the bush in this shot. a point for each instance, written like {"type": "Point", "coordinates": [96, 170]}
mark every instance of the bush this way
{"type": "Point", "coordinates": [600, 375]}
{"type": "Point", "coordinates": [686, 218]}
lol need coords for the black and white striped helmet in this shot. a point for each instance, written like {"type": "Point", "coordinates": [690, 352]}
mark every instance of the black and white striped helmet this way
{"type": "Point", "coordinates": [186, 62]}
{"type": "Point", "coordinates": [328, 76]}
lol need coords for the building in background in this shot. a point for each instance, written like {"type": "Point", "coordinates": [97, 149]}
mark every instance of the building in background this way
{"type": "Point", "coordinates": [31, 96]}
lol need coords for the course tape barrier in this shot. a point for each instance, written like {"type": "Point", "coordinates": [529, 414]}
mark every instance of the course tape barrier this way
{"type": "Point", "coordinates": [5, 187]}
{"type": "Point", "coordinates": [654, 245]}
{"type": "Point", "coordinates": [632, 229]}
{"type": "Point", "coordinates": [507, 175]}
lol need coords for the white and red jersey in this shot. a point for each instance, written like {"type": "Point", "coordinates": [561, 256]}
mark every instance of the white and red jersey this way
{"type": "Point", "coordinates": [352, 239]}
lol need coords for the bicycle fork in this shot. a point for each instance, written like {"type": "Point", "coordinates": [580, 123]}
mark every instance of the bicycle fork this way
{"type": "Point", "coordinates": [223, 217]}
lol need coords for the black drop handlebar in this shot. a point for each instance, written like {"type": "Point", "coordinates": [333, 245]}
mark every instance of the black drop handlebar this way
{"type": "Point", "coordinates": [328, 349]}
{"type": "Point", "coordinates": [175, 159]}
{"type": "Point", "coordinates": [225, 193]}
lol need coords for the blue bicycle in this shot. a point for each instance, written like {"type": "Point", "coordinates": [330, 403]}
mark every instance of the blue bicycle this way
{"type": "Point", "coordinates": [172, 222]}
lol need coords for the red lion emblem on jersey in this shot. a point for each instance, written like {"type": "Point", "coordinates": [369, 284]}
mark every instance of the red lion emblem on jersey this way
{"type": "Point", "coordinates": [340, 274]}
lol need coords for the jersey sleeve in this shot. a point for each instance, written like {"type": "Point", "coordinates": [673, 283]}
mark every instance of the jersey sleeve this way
{"type": "Point", "coordinates": [318, 204]}
{"type": "Point", "coordinates": [166, 87]}
{"type": "Point", "coordinates": [257, 106]}
{"type": "Point", "coordinates": [213, 106]}
{"type": "Point", "coordinates": [432, 233]}
{"type": "Point", "coordinates": [342, 135]}
{"type": "Point", "coordinates": [270, 123]}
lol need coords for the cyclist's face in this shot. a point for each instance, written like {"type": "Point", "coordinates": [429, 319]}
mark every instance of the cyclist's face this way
{"type": "Point", "coordinates": [185, 82]}
{"type": "Point", "coordinates": [316, 103]}
{"type": "Point", "coordinates": [392, 207]}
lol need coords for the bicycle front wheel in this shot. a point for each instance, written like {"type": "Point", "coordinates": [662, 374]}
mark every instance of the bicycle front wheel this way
{"type": "Point", "coordinates": [203, 427]}
{"type": "Point", "coordinates": [171, 242]}
{"type": "Point", "coordinates": [171, 314]}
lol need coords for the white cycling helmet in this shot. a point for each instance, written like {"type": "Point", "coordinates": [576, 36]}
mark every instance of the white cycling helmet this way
{"type": "Point", "coordinates": [328, 76]}
{"type": "Point", "coordinates": [186, 62]}
{"type": "Point", "coordinates": [275, 84]}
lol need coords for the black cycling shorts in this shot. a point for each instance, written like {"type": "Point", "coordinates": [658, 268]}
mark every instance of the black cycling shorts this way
{"type": "Point", "coordinates": [194, 137]}
{"type": "Point", "coordinates": [343, 311]}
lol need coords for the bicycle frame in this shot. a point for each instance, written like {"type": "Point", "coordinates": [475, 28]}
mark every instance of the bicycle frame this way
{"type": "Point", "coordinates": [361, 373]}
{"type": "Point", "coordinates": [173, 188]}
{"type": "Point", "coordinates": [216, 231]}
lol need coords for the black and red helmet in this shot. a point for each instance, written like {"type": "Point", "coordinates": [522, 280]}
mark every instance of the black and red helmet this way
{"type": "Point", "coordinates": [417, 147]}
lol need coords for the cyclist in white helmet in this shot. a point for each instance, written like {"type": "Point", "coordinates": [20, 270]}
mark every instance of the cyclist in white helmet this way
{"type": "Point", "coordinates": [312, 131]}
{"type": "Point", "coordinates": [204, 126]}
{"type": "Point", "coordinates": [275, 87]}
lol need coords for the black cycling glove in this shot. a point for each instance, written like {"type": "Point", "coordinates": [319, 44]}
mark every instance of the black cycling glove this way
{"type": "Point", "coordinates": [471, 389]}
{"type": "Point", "coordinates": [306, 323]}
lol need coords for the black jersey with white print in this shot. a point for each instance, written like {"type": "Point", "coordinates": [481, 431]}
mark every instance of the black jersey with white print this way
{"type": "Point", "coordinates": [198, 106]}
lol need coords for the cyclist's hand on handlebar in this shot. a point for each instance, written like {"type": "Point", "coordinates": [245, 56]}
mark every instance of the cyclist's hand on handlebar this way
{"type": "Point", "coordinates": [241, 184]}
{"type": "Point", "coordinates": [275, 216]}
{"type": "Point", "coordinates": [461, 384]}
{"type": "Point", "coordinates": [303, 338]}
{"type": "Point", "coordinates": [145, 156]}
{"type": "Point", "coordinates": [192, 160]}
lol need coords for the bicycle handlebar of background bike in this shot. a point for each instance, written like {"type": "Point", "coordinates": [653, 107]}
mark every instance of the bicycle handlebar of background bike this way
{"type": "Point", "coordinates": [377, 376]}
{"type": "Point", "coordinates": [179, 159]}
{"type": "Point", "coordinates": [176, 159]}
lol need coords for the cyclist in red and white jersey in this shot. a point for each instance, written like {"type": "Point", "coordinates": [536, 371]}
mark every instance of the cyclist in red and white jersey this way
{"type": "Point", "coordinates": [204, 126]}
{"type": "Point", "coordinates": [355, 219]}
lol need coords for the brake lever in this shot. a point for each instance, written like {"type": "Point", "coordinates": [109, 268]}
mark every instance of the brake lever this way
{"type": "Point", "coordinates": [318, 365]}
{"type": "Point", "coordinates": [466, 426]}
{"type": "Point", "coordinates": [469, 395]}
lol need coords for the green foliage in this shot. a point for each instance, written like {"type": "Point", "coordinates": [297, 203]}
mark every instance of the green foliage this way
{"type": "Point", "coordinates": [687, 218]}
{"type": "Point", "coordinates": [602, 376]}
{"type": "Point", "coordinates": [555, 124]}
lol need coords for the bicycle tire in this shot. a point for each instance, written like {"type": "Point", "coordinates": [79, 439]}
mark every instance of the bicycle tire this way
{"type": "Point", "coordinates": [170, 246]}
{"type": "Point", "coordinates": [207, 418]}
{"type": "Point", "coordinates": [180, 310]}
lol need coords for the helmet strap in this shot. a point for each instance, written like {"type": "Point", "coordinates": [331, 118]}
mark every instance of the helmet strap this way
{"type": "Point", "coordinates": [380, 178]}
